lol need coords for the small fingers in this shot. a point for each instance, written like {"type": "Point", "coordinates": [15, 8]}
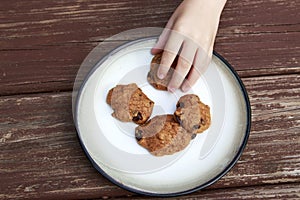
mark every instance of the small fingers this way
{"type": "Point", "coordinates": [200, 64]}
{"type": "Point", "coordinates": [191, 80]}
{"type": "Point", "coordinates": [183, 67]}
{"type": "Point", "coordinates": [193, 60]}
{"type": "Point", "coordinates": [171, 49]}
{"type": "Point", "coordinates": [162, 40]}
{"type": "Point", "coordinates": [165, 64]}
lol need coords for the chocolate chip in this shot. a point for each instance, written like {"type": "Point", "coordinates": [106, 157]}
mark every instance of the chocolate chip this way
{"type": "Point", "coordinates": [193, 136]}
{"type": "Point", "coordinates": [138, 135]}
{"type": "Point", "coordinates": [180, 105]}
{"type": "Point", "coordinates": [196, 126]}
{"type": "Point", "coordinates": [137, 116]}
{"type": "Point", "coordinates": [202, 121]}
{"type": "Point", "coordinates": [178, 119]}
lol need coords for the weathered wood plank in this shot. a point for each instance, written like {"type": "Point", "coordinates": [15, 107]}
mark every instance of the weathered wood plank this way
{"type": "Point", "coordinates": [42, 45]}
{"type": "Point", "coordinates": [284, 191]}
{"type": "Point", "coordinates": [275, 128]}
{"type": "Point", "coordinates": [41, 157]}
{"type": "Point", "coordinates": [261, 51]}
{"type": "Point", "coordinates": [40, 153]}
{"type": "Point", "coordinates": [58, 22]}
{"type": "Point", "coordinates": [54, 68]}
{"type": "Point", "coordinates": [34, 24]}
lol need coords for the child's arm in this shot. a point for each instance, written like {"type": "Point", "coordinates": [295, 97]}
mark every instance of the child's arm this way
{"type": "Point", "coordinates": [190, 32]}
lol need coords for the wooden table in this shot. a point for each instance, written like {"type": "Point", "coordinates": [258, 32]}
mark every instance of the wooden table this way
{"type": "Point", "coordinates": [42, 44]}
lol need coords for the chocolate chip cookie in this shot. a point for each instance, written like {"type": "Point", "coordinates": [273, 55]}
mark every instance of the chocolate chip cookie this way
{"type": "Point", "coordinates": [159, 84]}
{"type": "Point", "coordinates": [129, 103]}
{"type": "Point", "coordinates": [162, 135]}
{"type": "Point", "coordinates": [192, 114]}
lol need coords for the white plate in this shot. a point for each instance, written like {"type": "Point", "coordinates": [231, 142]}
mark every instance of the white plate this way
{"type": "Point", "coordinates": [111, 145]}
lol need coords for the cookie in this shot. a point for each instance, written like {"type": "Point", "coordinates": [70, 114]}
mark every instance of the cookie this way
{"type": "Point", "coordinates": [162, 135]}
{"type": "Point", "coordinates": [160, 84]}
{"type": "Point", "coordinates": [129, 103]}
{"type": "Point", "coordinates": [192, 114]}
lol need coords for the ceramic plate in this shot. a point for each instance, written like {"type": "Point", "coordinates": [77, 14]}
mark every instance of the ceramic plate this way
{"type": "Point", "coordinates": [111, 146]}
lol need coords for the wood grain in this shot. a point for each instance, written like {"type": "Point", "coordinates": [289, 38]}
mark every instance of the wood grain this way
{"type": "Point", "coordinates": [41, 157]}
{"type": "Point", "coordinates": [59, 22]}
{"type": "Point", "coordinates": [43, 44]}
{"type": "Point", "coordinates": [281, 191]}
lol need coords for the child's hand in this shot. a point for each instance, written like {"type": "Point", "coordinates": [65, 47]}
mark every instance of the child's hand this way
{"type": "Point", "coordinates": [190, 33]}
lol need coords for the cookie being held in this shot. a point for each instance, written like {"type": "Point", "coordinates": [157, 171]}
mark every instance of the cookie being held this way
{"type": "Point", "coordinates": [192, 114]}
{"type": "Point", "coordinates": [129, 103]}
{"type": "Point", "coordinates": [162, 135]}
{"type": "Point", "coordinates": [159, 84]}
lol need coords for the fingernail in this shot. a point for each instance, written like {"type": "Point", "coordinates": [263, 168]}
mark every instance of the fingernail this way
{"type": "Point", "coordinates": [160, 76]}
{"type": "Point", "coordinates": [185, 88]}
